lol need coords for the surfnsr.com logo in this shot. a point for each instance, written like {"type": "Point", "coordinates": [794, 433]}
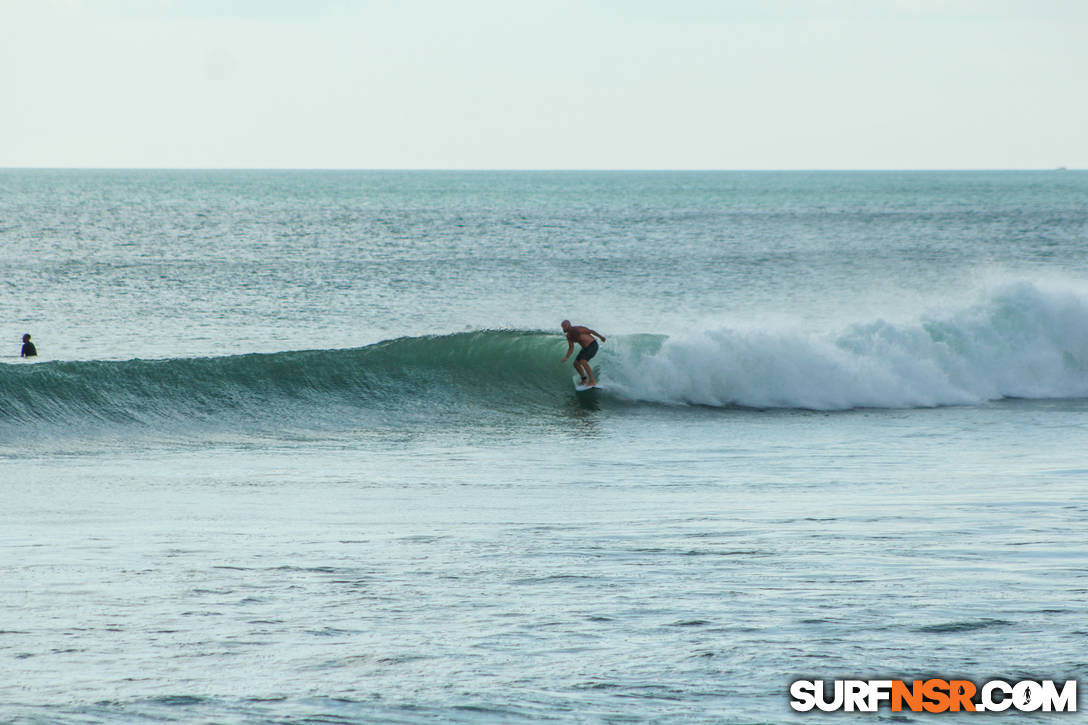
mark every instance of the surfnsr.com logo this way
{"type": "Point", "coordinates": [934, 695]}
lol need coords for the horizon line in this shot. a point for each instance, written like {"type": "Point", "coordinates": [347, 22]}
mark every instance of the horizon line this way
{"type": "Point", "coordinates": [539, 170]}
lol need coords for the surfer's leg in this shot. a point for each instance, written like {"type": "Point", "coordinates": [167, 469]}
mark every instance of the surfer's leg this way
{"type": "Point", "coordinates": [587, 372]}
{"type": "Point", "coordinates": [581, 363]}
{"type": "Point", "coordinates": [578, 369]}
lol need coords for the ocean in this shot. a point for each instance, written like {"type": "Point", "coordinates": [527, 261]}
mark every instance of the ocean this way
{"type": "Point", "coordinates": [299, 447]}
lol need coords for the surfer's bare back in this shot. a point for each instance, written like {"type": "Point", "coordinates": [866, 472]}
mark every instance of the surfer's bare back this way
{"type": "Point", "coordinates": [584, 337]}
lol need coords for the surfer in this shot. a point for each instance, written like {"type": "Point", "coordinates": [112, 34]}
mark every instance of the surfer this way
{"type": "Point", "coordinates": [584, 337]}
{"type": "Point", "coordinates": [28, 347]}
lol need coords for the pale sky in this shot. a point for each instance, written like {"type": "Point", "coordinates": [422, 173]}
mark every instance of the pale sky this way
{"type": "Point", "coordinates": [525, 84]}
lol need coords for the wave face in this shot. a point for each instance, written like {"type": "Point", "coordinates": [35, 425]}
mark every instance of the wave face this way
{"type": "Point", "coordinates": [402, 379]}
{"type": "Point", "coordinates": [1021, 341]}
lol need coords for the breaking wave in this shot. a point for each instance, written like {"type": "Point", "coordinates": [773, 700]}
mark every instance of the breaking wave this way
{"type": "Point", "coordinates": [1021, 341]}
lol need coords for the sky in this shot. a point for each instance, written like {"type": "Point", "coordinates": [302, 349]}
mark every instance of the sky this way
{"type": "Point", "coordinates": [562, 84]}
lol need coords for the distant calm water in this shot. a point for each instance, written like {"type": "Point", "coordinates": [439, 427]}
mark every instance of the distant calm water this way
{"type": "Point", "coordinates": [298, 446]}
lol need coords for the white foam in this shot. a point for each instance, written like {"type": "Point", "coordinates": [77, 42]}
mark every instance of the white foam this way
{"type": "Point", "coordinates": [1021, 339]}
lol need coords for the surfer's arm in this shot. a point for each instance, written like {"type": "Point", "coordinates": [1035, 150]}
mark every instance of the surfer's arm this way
{"type": "Point", "coordinates": [597, 334]}
{"type": "Point", "coordinates": [570, 349]}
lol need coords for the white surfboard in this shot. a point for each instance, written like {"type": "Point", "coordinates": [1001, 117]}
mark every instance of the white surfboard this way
{"type": "Point", "coordinates": [578, 387]}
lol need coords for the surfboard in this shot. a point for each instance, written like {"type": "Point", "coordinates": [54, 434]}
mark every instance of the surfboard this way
{"type": "Point", "coordinates": [579, 388]}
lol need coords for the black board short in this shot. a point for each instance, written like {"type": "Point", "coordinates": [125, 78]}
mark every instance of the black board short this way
{"type": "Point", "coordinates": [588, 351]}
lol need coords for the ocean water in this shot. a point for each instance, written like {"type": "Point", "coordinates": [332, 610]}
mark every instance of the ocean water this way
{"type": "Point", "coordinates": [298, 446]}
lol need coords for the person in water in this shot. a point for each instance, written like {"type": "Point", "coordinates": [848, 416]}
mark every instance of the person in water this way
{"type": "Point", "coordinates": [28, 347]}
{"type": "Point", "coordinates": [584, 337]}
